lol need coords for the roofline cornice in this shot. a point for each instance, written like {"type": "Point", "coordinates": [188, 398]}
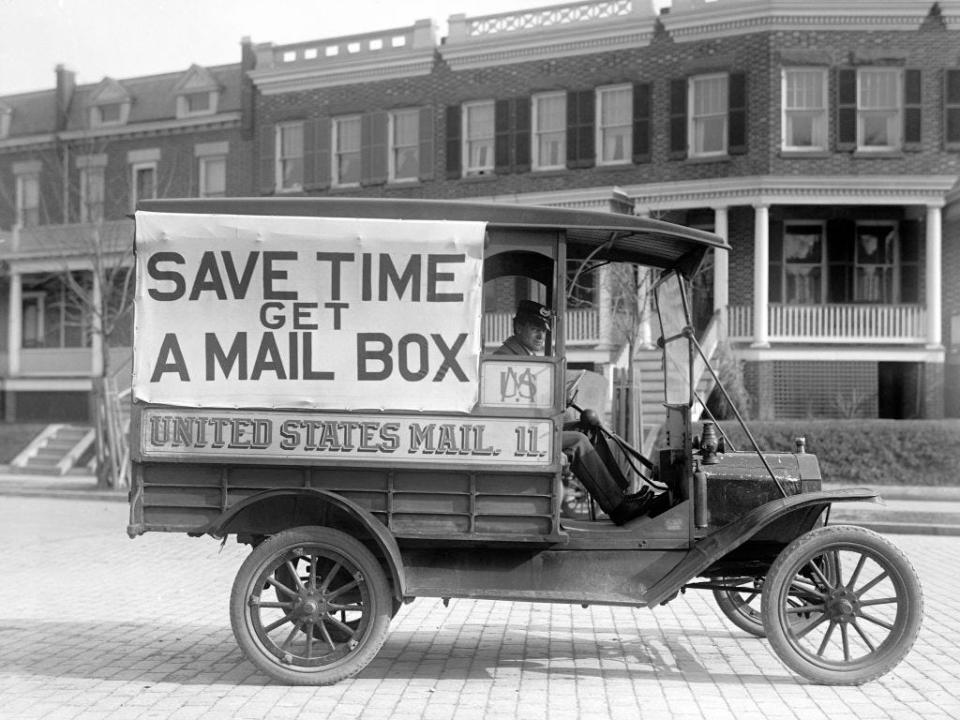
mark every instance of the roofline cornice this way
{"type": "Point", "coordinates": [929, 190]}
{"type": "Point", "coordinates": [282, 80]}
{"type": "Point", "coordinates": [691, 20]}
{"type": "Point", "coordinates": [27, 141]}
{"type": "Point", "coordinates": [220, 120]}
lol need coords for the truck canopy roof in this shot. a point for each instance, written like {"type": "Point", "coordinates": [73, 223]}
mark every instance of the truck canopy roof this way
{"type": "Point", "coordinates": [599, 235]}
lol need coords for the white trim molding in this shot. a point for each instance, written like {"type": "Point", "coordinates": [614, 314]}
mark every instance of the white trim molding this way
{"type": "Point", "coordinates": [832, 353]}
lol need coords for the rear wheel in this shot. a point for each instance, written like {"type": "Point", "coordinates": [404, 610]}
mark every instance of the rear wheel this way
{"type": "Point", "coordinates": [841, 605]}
{"type": "Point", "coordinates": [741, 605]}
{"type": "Point", "coordinates": [310, 606]}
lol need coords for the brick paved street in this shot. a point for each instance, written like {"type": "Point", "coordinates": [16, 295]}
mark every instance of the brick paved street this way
{"type": "Point", "coordinates": [94, 625]}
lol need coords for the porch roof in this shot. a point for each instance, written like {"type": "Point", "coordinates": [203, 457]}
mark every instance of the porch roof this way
{"type": "Point", "coordinates": [599, 235]}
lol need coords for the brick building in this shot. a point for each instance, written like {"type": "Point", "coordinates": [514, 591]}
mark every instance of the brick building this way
{"type": "Point", "coordinates": [73, 163]}
{"type": "Point", "coordinates": [822, 140]}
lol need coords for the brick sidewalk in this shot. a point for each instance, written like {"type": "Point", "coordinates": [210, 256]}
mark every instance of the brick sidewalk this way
{"type": "Point", "coordinates": [94, 625]}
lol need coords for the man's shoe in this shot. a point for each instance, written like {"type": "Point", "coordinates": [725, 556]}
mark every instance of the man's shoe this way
{"type": "Point", "coordinates": [630, 508]}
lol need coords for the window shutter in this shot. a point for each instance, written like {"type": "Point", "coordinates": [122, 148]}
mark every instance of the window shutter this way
{"type": "Point", "coordinates": [321, 160]}
{"type": "Point", "coordinates": [454, 167]}
{"type": "Point", "coordinates": [846, 109]}
{"type": "Point", "coordinates": [951, 120]}
{"type": "Point", "coordinates": [840, 250]}
{"type": "Point", "coordinates": [521, 136]}
{"type": "Point", "coordinates": [775, 276]}
{"type": "Point", "coordinates": [910, 243]}
{"type": "Point", "coordinates": [426, 144]}
{"type": "Point", "coordinates": [501, 136]}
{"type": "Point", "coordinates": [678, 119]}
{"type": "Point", "coordinates": [373, 149]}
{"type": "Point", "coordinates": [912, 109]}
{"type": "Point", "coordinates": [268, 180]}
{"type": "Point", "coordinates": [580, 119]}
{"type": "Point", "coordinates": [310, 139]}
{"type": "Point", "coordinates": [737, 114]}
{"type": "Point", "coordinates": [641, 122]}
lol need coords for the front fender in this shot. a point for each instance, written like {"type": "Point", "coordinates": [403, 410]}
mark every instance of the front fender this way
{"type": "Point", "coordinates": [272, 511]}
{"type": "Point", "coordinates": [728, 538]}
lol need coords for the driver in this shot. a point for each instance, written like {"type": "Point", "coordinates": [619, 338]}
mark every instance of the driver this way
{"type": "Point", "coordinates": [530, 327]}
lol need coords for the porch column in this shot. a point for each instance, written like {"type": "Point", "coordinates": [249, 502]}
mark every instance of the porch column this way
{"type": "Point", "coordinates": [721, 273]}
{"type": "Point", "coordinates": [15, 324]}
{"type": "Point", "coordinates": [761, 274]}
{"type": "Point", "coordinates": [96, 336]}
{"type": "Point", "coordinates": [644, 304]}
{"type": "Point", "coordinates": [934, 276]}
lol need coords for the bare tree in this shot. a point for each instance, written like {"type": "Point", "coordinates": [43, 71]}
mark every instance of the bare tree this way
{"type": "Point", "coordinates": [95, 267]}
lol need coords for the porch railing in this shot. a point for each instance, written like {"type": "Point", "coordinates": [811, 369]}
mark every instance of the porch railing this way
{"type": "Point", "coordinates": [583, 327]}
{"type": "Point", "coordinates": [835, 323]}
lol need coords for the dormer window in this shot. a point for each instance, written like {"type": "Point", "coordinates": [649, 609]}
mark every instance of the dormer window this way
{"type": "Point", "coordinates": [197, 93]}
{"type": "Point", "coordinates": [109, 105]}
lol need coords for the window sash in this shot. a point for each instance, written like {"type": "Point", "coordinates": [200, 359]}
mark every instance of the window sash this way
{"type": "Point", "coordinates": [876, 267]}
{"type": "Point", "coordinates": [804, 109]}
{"type": "Point", "coordinates": [405, 145]}
{"type": "Point", "coordinates": [198, 102]}
{"type": "Point", "coordinates": [550, 131]}
{"type": "Point", "coordinates": [92, 194]}
{"type": "Point", "coordinates": [290, 159]}
{"type": "Point", "coordinates": [213, 176]}
{"type": "Point", "coordinates": [804, 260]}
{"type": "Point", "coordinates": [478, 137]}
{"type": "Point", "coordinates": [143, 185]}
{"type": "Point", "coordinates": [346, 156]}
{"type": "Point", "coordinates": [879, 108]}
{"type": "Point", "coordinates": [615, 124]}
{"type": "Point", "coordinates": [709, 103]}
{"type": "Point", "coordinates": [28, 200]}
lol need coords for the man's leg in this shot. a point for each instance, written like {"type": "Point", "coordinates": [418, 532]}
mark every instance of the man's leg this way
{"type": "Point", "coordinates": [589, 468]}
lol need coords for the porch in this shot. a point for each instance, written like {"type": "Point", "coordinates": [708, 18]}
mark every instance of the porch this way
{"type": "Point", "coordinates": [900, 324]}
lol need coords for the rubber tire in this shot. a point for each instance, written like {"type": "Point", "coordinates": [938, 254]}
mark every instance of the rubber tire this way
{"type": "Point", "coordinates": [355, 552]}
{"type": "Point", "coordinates": [749, 623]}
{"type": "Point", "coordinates": [909, 608]}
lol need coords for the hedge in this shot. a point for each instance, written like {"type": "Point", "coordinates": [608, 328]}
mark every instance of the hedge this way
{"type": "Point", "coordinates": [866, 452]}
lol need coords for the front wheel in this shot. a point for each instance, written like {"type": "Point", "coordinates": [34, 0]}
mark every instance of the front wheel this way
{"type": "Point", "coordinates": [850, 624]}
{"type": "Point", "coordinates": [310, 606]}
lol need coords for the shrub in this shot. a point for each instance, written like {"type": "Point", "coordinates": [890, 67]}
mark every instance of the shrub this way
{"type": "Point", "coordinates": [867, 452]}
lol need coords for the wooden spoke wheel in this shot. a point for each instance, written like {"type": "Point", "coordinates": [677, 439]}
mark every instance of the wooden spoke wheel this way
{"type": "Point", "coordinates": [310, 606]}
{"type": "Point", "coordinates": [841, 605]}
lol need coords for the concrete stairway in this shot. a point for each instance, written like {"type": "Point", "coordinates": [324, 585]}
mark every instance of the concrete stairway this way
{"type": "Point", "coordinates": [56, 450]}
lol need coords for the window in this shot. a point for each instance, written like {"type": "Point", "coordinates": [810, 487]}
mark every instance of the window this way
{"type": "Point", "coordinates": [550, 131]}
{"type": "Point", "coordinates": [615, 124]}
{"type": "Point", "coordinates": [875, 266]}
{"type": "Point", "coordinates": [289, 156]}
{"type": "Point", "coordinates": [708, 117]}
{"type": "Point", "coordinates": [804, 109]}
{"type": "Point", "coordinates": [91, 194]}
{"type": "Point", "coordinates": [198, 102]}
{"type": "Point", "coordinates": [878, 108]}
{"type": "Point", "coordinates": [143, 183]}
{"type": "Point", "coordinates": [213, 176]}
{"type": "Point", "coordinates": [951, 95]}
{"type": "Point", "coordinates": [404, 145]}
{"type": "Point", "coordinates": [803, 263]}
{"type": "Point", "coordinates": [478, 138]}
{"type": "Point", "coordinates": [28, 200]}
{"type": "Point", "coordinates": [5, 115]}
{"type": "Point", "coordinates": [52, 315]}
{"type": "Point", "coordinates": [346, 155]}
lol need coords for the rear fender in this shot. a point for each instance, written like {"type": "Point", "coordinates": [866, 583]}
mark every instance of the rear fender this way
{"type": "Point", "coordinates": [272, 511]}
{"type": "Point", "coordinates": [715, 546]}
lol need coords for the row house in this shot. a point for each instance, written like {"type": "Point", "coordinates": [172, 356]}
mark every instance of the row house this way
{"type": "Point", "coordinates": [821, 139]}
{"type": "Point", "coordinates": [74, 161]}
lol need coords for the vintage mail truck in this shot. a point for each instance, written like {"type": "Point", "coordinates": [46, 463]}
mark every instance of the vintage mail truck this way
{"type": "Point", "coordinates": [310, 378]}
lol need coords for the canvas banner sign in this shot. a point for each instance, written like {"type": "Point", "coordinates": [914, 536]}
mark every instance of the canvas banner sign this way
{"type": "Point", "coordinates": [301, 312]}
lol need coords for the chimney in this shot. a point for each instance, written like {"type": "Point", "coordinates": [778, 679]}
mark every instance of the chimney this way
{"type": "Point", "coordinates": [248, 62]}
{"type": "Point", "coordinates": [66, 82]}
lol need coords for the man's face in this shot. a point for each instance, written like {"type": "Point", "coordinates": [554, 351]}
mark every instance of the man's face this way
{"type": "Point", "coordinates": [532, 336]}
